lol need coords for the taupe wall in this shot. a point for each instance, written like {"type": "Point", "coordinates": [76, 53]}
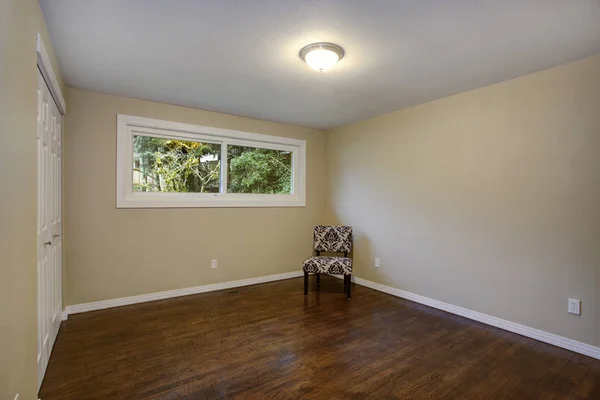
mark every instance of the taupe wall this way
{"type": "Point", "coordinates": [488, 200]}
{"type": "Point", "coordinates": [113, 253]}
{"type": "Point", "coordinates": [20, 21]}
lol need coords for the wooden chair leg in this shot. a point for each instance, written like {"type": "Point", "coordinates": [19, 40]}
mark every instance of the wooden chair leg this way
{"type": "Point", "coordinates": [345, 283]}
{"type": "Point", "coordinates": [318, 278]}
{"type": "Point", "coordinates": [349, 285]}
{"type": "Point", "coordinates": [305, 283]}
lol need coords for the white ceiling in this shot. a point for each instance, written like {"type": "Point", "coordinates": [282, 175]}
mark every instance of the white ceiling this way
{"type": "Point", "coordinates": [241, 56]}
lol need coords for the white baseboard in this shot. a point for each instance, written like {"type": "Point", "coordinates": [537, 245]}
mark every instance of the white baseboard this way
{"type": "Point", "coordinates": [124, 301]}
{"type": "Point", "coordinates": [527, 331]}
{"type": "Point", "coordinates": [523, 330]}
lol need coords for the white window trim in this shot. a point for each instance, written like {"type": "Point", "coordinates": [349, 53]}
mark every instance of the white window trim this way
{"type": "Point", "coordinates": [128, 125]}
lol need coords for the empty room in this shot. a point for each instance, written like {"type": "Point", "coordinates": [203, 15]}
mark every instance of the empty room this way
{"type": "Point", "coordinates": [299, 199]}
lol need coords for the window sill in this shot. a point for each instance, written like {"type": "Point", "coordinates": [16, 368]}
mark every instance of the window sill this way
{"type": "Point", "coordinates": [184, 200]}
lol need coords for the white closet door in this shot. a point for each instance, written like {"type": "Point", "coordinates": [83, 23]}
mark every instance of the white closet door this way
{"type": "Point", "coordinates": [49, 276]}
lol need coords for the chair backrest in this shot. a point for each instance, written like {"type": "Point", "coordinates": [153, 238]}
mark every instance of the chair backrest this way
{"type": "Point", "coordinates": [334, 239]}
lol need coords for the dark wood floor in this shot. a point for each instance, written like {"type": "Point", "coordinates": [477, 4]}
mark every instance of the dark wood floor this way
{"type": "Point", "coordinates": [271, 342]}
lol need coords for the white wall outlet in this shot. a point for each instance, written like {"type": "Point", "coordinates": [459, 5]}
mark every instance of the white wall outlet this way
{"type": "Point", "coordinates": [213, 264]}
{"type": "Point", "coordinates": [574, 306]}
{"type": "Point", "coordinates": [377, 263]}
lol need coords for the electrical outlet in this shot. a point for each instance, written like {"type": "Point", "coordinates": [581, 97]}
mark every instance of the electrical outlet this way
{"type": "Point", "coordinates": [377, 263]}
{"type": "Point", "coordinates": [574, 306]}
{"type": "Point", "coordinates": [213, 264]}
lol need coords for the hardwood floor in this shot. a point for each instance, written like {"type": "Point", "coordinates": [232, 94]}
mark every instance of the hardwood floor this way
{"type": "Point", "coordinates": [270, 342]}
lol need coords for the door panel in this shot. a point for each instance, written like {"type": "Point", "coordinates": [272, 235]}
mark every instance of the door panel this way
{"type": "Point", "coordinates": [49, 270]}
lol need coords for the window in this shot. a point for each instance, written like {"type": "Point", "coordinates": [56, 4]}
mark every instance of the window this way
{"type": "Point", "coordinates": [263, 171]}
{"type": "Point", "coordinates": [175, 166]}
{"type": "Point", "coordinates": [168, 164]}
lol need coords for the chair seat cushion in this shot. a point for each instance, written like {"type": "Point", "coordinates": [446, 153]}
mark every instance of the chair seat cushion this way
{"type": "Point", "coordinates": [328, 265]}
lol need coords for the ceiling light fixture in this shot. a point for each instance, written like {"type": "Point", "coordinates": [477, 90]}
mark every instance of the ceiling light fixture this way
{"type": "Point", "coordinates": [321, 56]}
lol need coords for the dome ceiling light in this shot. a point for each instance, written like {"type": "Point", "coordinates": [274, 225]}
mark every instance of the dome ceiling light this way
{"type": "Point", "coordinates": [321, 56]}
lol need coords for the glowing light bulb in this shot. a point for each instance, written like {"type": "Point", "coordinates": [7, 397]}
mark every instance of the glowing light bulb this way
{"type": "Point", "coordinates": [321, 59]}
{"type": "Point", "coordinates": [321, 56]}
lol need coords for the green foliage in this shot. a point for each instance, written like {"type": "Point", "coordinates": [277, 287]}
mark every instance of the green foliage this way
{"type": "Point", "coordinates": [253, 170]}
{"type": "Point", "coordinates": [167, 165]}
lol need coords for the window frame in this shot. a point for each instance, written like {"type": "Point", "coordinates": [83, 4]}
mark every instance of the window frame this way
{"type": "Point", "coordinates": [128, 126]}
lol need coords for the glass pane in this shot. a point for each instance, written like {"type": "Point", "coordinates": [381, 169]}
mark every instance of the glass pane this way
{"type": "Point", "coordinates": [259, 171]}
{"type": "Point", "coordinates": [169, 165]}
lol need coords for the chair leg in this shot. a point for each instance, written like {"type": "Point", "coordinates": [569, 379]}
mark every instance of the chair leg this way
{"type": "Point", "coordinates": [345, 283]}
{"type": "Point", "coordinates": [305, 283]}
{"type": "Point", "coordinates": [318, 278]}
{"type": "Point", "coordinates": [349, 285]}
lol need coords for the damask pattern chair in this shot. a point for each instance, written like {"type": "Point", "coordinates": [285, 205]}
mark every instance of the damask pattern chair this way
{"type": "Point", "coordinates": [330, 239]}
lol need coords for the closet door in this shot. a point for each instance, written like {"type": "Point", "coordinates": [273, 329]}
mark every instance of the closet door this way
{"type": "Point", "coordinates": [49, 222]}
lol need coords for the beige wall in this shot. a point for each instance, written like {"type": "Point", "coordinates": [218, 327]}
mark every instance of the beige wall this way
{"type": "Point", "coordinates": [488, 200]}
{"type": "Point", "coordinates": [113, 253]}
{"type": "Point", "coordinates": [21, 20]}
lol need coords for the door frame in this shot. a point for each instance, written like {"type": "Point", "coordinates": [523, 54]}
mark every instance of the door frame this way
{"type": "Point", "coordinates": [45, 66]}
